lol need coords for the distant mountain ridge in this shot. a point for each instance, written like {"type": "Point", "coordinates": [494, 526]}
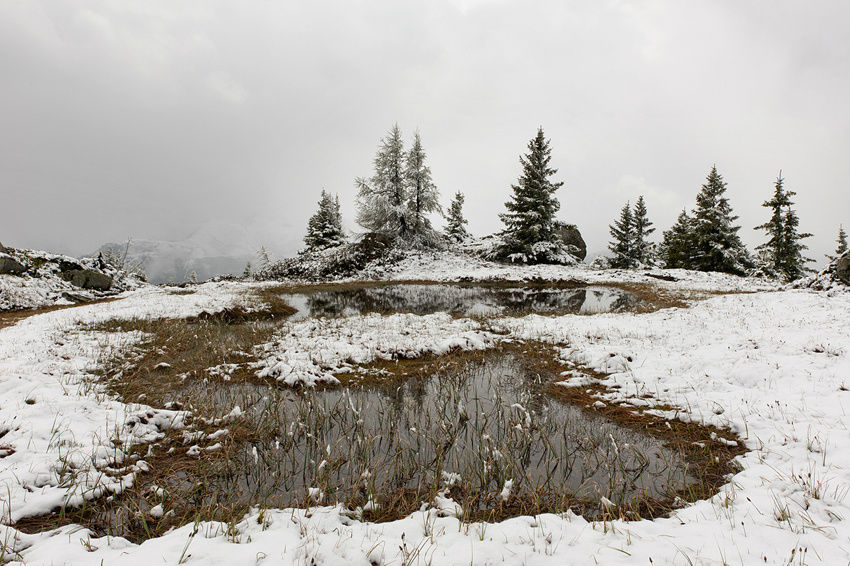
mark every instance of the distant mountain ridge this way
{"type": "Point", "coordinates": [174, 262]}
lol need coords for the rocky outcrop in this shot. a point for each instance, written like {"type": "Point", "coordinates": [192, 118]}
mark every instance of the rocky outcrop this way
{"type": "Point", "coordinates": [346, 260]}
{"type": "Point", "coordinates": [33, 279]}
{"type": "Point", "coordinates": [76, 298]}
{"type": "Point", "coordinates": [842, 268]}
{"type": "Point", "coordinates": [68, 265]}
{"type": "Point", "coordinates": [88, 279]}
{"type": "Point", "coordinates": [571, 236]}
{"type": "Point", "coordinates": [835, 278]}
{"type": "Point", "coordinates": [10, 266]}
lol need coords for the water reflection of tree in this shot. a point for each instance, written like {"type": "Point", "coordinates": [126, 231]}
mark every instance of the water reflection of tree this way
{"type": "Point", "coordinates": [416, 299]}
{"type": "Point", "coordinates": [427, 299]}
{"type": "Point", "coordinates": [608, 300]}
{"type": "Point", "coordinates": [417, 390]}
{"type": "Point", "coordinates": [542, 301]}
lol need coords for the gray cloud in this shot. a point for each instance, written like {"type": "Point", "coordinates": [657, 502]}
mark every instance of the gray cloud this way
{"type": "Point", "coordinates": [154, 119]}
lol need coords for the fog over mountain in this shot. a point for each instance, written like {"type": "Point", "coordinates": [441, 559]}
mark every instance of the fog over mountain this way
{"type": "Point", "coordinates": [212, 250]}
{"type": "Point", "coordinates": [159, 121]}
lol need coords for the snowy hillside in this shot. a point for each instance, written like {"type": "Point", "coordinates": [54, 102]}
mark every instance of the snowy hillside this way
{"type": "Point", "coordinates": [34, 279]}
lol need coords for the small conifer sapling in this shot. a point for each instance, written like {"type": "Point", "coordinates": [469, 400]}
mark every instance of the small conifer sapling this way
{"type": "Point", "coordinates": [622, 245]}
{"type": "Point", "coordinates": [456, 226]}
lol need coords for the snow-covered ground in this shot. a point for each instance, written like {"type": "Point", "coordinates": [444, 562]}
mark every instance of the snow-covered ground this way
{"type": "Point", "coordinates": [56, 425]}
{"type": "Point", "coordinates": [311, 351]}
{"type": "Point", "coordinates": [772, 366]}
{"type": "Point", "coordinates": [457, 266]}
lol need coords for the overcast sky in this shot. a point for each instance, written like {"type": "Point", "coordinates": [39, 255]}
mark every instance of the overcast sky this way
{"type": "Point", "coordinates": [154, 119]}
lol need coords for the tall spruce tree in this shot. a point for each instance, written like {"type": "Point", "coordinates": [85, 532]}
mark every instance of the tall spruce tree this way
{"type": "Point", "coordinates": [677, 243]}
{"type": "Point", "coordinates": [794, 264]}
{"type": "Point", "coordinates": [782, 254]}
{"type": "Point", "coordinates": [382, 199]}
{"type": "Point", "coordinates": [623, 244]}
{"type": "Point", "coordinates": [422, 195]}
{"type": "Point", "coordinates": [324, 229]}
{"type": "Point", "coordinates": [530, 230]}
{"type": "Point", "coordinates": [842, 244]}
{"type": "Point", "coordinates": [642, 250]}
{"type": "Point", "coordinates": [456, 227]}
{"type": "Point", "coordinates": [771, 252]}
{"type": "Point", "coordinates": [717, 246]}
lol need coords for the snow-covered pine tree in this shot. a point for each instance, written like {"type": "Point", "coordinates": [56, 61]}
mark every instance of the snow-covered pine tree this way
{"type": "Point", "coordinates": [456, 227]}
{"type": "Point", "coordinates": [324, 229]}
{"type": "Point", "coordinates": [771, 252]}
{"type": "Point", "coordinates": [530, 232]}
{"type": "Point", "coordinates": [262, 257]}
{"type": "Point", "coordinates": [246, 274]}
{"type": "Point", "coordinates": [677, 243]}
{"type": "Point", "coordinates": [782, 253]}
{"type": "Point", "coordinates": [382, 199]}
{"type": "Point", "coordinates": [642, 251]}
{"type": "Point", "coordinates": [842, 244]}
{"type": "Point", "coordinates": [422, 195]}
{"type": "Point", "coordinates": [338, 216]}
{"type": "Point", "coordinates": [717, 246]}
{"type": "Point", "coordinates": [623, 244]}
{"type": "Point", "coordinates": [794, 262]}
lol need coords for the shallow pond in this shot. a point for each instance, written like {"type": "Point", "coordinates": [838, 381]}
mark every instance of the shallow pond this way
{"type": "Point", "coordinates": [461, 300]}
{"type": "Point", "coordinates": [486, 427]}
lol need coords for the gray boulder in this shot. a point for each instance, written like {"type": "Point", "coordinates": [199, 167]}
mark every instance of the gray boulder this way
{"type": "Point", "coordinates": [66, 266]}
{"type": "Point", "coordinates": [88, 279]}
{"type": "Point", "coordinates": [10, 266]}
{"type": "Point", "coordinates": [835, 276]}
{"type": "Point", "coordinates": [842, 268]}
{"type": "Point", "coordinates": [572, 237]}
{"type": "Point", "coordinates": [75, 298]}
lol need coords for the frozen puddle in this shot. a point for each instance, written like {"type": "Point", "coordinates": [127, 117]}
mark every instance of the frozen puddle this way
{"type": "Point", "coordinates": [487, 430]}
{"type": "Point", "coordinates": [460, 300]}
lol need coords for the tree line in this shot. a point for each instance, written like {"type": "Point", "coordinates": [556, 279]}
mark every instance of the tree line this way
{"type": "Point", "coordinates": [395, 201]}
{"type": "Point", "coordinates": [706, 239]}
{"type": "Point", "coordinates": [399, 197]}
